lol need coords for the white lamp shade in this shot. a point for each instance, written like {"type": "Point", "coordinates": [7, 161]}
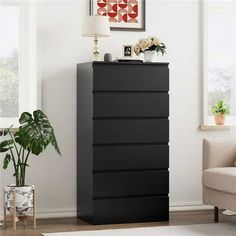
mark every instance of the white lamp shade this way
{"type": "Point", "coordinates": [96, 26]}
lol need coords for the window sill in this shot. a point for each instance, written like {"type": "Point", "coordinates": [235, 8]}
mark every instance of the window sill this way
{"type": "Point", "coordinates": [217, 127]}
{"type": "Point", "coordinates": [13, 130]}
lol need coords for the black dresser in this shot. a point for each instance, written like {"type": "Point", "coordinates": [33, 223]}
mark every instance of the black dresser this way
{"type": "Point", "coordinates": [123, 135]}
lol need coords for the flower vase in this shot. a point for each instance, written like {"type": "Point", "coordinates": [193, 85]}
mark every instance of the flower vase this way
{"type": "Point", "coordinates": [148, 55]}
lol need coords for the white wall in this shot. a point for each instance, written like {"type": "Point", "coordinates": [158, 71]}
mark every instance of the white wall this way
{"type": "Point", "coordinates": [178, 24]}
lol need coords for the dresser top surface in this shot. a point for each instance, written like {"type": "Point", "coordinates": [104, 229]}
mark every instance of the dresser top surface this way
{"type": "Point", "coordinates": [126, 63]}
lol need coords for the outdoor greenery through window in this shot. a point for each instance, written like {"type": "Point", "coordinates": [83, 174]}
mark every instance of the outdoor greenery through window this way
{"type": "Point", "coordinates": [9, 61]}
{"type": "Point", "coordinates": [220, 57]}
{"type": "Point", "coordinates": [18, 77]}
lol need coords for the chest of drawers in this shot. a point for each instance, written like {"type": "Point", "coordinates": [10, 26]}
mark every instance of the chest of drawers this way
{"type": "Point", "coordinates": [122, 142]}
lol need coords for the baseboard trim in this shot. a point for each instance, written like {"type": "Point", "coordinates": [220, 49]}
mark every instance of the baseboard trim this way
{"type": "Point", "coordinates": [72, 212]}
{"type": "Point", "coordinates": [190, 207]}
{"type": "Point", "coordinates": [52, 213]}
{"type": "Point", "coordinates": [56, 214]}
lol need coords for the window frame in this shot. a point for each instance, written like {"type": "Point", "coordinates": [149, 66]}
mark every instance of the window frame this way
{"type": "Point", "coordinates": [29, 84]}
{"type": "Point", "coordinates": [206, 122]}
{"type": "Point", "coordinates": [205, 63]}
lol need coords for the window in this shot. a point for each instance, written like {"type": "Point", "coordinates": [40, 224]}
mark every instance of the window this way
{"type": "Point", "coordinates": [219, 57]}
{"type": "Point", "coordinates": [18, 84]}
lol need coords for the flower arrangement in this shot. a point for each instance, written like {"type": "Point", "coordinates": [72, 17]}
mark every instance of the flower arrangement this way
{"type": "Point", "coordinates": [150, 44]}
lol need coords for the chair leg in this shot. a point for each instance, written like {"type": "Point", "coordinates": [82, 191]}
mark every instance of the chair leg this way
{"type": "Point", "coordinates": [216, 214]}
{"type": "Point", "coordinates": [34, 208]}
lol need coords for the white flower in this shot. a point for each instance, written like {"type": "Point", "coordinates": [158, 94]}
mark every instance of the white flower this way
{"type": "Point", "coordinates": [145, 44]}
{"type": "Point", "coordinates": [151, 43]}
{"type": "Point", "coordinates": [137, 49]}
{"type": "Point", "coordinates": [156, 42]}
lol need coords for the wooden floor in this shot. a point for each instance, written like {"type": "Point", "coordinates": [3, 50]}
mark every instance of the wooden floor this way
{"type": "Point", "coordinates": [74, 224]}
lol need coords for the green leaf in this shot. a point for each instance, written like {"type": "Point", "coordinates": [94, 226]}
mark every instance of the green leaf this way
{"type": "Point", "coordinates": [6, 161]}
{"type": "Point", "coordinates": [220, 108]}
{"type": "Point", "coordinates": [25, 117]}
{"type": "Point", "coordinates": [5, 132]}
{"type": "Point", "coordinates": [5, 145]}
{"type": "Point", "coordinates": [35, 133]}
{"type": "Point", "coordinates": [54, 144]}
{"type": "Point", "coordinates": [219, 103]}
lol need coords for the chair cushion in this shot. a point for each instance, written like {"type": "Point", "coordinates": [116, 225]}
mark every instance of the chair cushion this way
{"type": "Point", "coordinates": [222, 179]}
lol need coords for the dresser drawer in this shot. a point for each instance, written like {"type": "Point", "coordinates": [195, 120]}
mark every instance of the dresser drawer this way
{"type": "Point", "coordinates": [130, 157]}
{"type": "Point", "coordinates": [130, 183]}
{"type": "Point", "coordinates": [131, 104]}
{"type": "Point", "coordinates": [139, 77]}
{"type": "Point", "coordinates": [124, 210]}
{"type": "Point", "coordinates": [107, 131]}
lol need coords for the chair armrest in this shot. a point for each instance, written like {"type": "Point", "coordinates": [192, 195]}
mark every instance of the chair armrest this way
{"type": "Point", "coordinates": [220, 152]}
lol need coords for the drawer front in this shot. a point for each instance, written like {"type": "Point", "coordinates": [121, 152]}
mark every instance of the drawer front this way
{"type": "Point", "coordinates": [131, 78]}
{"type": "Point", "coordinates": [130, 157]}
{"type": "Point", "coordinates": [131, 105]}
{"type": "Point", "coordinates": [130, 131]}
{"type": "Point", "coordinates": [130, 183]}
{"type": "Point", "coordinates": [126, 210]}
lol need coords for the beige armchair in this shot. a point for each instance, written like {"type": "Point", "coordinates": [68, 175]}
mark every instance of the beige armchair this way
{"type": "Point", "coordinates": [219, 174]}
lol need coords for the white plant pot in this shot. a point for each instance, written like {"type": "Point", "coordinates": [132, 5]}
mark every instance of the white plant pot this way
{"type": "Point", "coordinates": [148, 55]}
{"type": "Point", "coordinates": [23, 196]}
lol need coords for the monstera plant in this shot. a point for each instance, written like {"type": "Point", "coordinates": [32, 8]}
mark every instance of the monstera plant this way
{"type": "Point", "coordinates": [34, 135]}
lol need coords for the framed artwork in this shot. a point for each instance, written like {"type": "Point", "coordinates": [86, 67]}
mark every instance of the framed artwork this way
{"type": "Point", "coordinates": [127, 51]}
{"type": "Point", "coordinates": [126, 15]}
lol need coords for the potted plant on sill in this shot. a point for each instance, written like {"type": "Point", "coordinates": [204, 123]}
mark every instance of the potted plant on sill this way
{"type": "Point", "coordinates": [220, 110]}
{"type": "Point", "coordinates": [34, 135]}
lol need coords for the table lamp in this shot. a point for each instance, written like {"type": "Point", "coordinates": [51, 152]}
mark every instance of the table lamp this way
{"type": "Point", "coordinates": [96, 26]}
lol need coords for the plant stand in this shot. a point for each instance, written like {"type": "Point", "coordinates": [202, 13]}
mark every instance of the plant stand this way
{"type": "Point", "coordinates": [14, 218]}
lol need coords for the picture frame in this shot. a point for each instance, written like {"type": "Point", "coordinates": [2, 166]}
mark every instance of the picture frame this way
{"type": "Point", "coordinates": [127, 51]}
{"type": "Point", "coordinates": [123, 15]}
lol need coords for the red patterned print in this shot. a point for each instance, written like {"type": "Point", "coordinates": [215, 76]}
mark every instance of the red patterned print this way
{"type": "Point", "coordinates": [122, 15]}
{"type": "Point", "coordinates": [125, 11]}
{"type": "Point", "coordinates": [122, 4]}
{"type": "Point", "coordinates": [101, 3]}
{"type": "Point", "coordinates": [102, 11]}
